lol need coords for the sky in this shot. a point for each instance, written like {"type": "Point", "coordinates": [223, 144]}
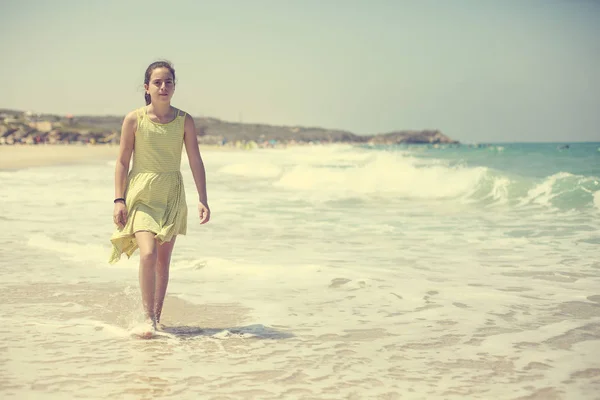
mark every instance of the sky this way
{"type": "Point", "coordinates": [477, 70]}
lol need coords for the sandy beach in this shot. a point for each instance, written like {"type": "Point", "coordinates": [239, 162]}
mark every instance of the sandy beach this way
{"type": "Point", "coordinates": [326, 272]}
{"type": "Point", "coordinates": [27, 156]}
{"type": "Point", "coordinates": [17, 157]}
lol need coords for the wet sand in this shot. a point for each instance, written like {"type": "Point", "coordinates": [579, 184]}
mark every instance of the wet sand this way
{"type": "Point", "coordinates": [28, 156]}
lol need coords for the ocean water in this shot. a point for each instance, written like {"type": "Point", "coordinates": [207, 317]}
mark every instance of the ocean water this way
{"type": "Point", "coordinates": [326, 272]}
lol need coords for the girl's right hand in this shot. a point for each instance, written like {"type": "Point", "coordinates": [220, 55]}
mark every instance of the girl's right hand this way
{"type": "Point", "coordinates": [120, 215]}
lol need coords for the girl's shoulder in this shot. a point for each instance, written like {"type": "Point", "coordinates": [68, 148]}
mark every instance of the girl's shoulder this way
{"type": "Point", "coordinates": [188, 120]}
{"type": "Point", "coordinates": [136, 113]}
{"type": "Point", "coordinates": [133, 115]}
{"type": "Point", "coordinates": [180, 113]}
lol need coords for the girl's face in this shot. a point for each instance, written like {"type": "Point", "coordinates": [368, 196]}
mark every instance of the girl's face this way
{"type": "Point", "coordinates": [161, 86]}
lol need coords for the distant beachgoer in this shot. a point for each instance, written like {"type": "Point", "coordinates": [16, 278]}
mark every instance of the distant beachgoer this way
{"type": "Point", "coordinates": [150, 207]}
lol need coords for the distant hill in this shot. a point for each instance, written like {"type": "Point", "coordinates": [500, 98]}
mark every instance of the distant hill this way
{"type": "Point", "coordinates": [210, 130]}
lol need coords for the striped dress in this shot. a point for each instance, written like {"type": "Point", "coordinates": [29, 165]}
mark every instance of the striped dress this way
{"type": "Point", "coordinates": [155, 196]}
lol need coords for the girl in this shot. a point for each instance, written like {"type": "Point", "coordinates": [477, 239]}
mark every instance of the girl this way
{"type": "Point", "coordinates": [150, 207]}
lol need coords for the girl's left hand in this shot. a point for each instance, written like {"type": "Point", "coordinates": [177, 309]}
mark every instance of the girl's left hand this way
{"type": "Point", "coordinates": [204, 213]}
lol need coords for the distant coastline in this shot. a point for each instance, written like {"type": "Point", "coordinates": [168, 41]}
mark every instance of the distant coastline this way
{"type": "Point", "coordinates": [22, 127]}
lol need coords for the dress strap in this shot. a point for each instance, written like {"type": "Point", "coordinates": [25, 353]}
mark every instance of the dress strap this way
{"type": "Point", "coordinates": [140, 114]}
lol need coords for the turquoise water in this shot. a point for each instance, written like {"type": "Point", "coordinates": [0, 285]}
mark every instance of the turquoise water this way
{"type": "Point", "coordinates": [325, 272]}
{"type": "Point", "coordinates": [528, 159]}
{"type": "Point", "coordinates": [567, 175]}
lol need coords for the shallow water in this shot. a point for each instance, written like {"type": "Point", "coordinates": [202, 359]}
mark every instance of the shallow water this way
{"type": "Point", "coordinates": [325, 273]}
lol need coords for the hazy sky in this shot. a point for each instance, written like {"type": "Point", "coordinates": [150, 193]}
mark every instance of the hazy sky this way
{"type": "Point", "coordinates": [503, 70]}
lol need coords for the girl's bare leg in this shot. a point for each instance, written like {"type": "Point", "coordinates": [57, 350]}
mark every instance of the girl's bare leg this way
{"type": "Point", "coordinates": [148, 260]}
{"type": "Point", "coordinates": [162, 276]}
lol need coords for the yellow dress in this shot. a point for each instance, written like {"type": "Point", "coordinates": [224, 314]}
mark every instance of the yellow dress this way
{"type": "Point", "coordinates": [155, 196]}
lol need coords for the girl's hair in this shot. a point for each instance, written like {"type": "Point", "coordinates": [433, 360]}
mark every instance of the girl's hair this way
{"type": "Point", "coordinates": [152, 67]}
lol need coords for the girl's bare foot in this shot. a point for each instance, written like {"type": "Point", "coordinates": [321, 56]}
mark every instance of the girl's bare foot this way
{"type": "Point", "coordinates": [145, 330]}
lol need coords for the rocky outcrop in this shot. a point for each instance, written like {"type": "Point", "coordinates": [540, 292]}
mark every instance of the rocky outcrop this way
{"type": "Point", "coordinates": [18, 127]}
{"type": "Point", "coordinates": [412, 137]}
{"type": "Point", "coordinates": [229, 131]}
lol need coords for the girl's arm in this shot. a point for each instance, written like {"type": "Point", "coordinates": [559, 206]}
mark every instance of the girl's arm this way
{"type": "Point", "coordinates": [125, 150]}
{"type": "Point", "coordinates": [197, 167]}
{"type": "Point", "coordinates": [122, 167]}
